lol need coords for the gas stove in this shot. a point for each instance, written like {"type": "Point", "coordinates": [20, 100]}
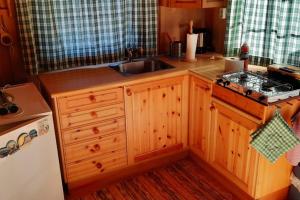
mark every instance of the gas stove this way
{"type": "Point", "coordinates": [264, 88]}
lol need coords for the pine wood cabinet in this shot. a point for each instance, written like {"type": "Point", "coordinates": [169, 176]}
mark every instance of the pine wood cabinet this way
{"type": "Point", "coordinates": [230, 151]}
{"type": "Point", "coordinates": [200, 116]}
{"type": "Point", "coordinates": [91, 132]}
{"type": "Point", "coordinates": [193, 3]}
{"type": "Point", "coordinates": [231, 155]}
{"type": "Point", "coordinates": [157, 117]}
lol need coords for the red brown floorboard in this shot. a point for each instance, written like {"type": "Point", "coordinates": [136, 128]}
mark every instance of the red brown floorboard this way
{"type": "Point", "coordinates": [182, 180]}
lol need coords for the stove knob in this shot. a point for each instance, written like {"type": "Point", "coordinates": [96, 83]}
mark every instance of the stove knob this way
{"type": "Point", "coordinates": [3, 111]}
{"type": "Point", "coordinates": [13, 108]}
{"type": "Point", "coordinates": [219, 81]}
{"type": "Point", "coordinates": [226, 83]}
{"type": "Point", "coordinates": [261, 98]}
{"type": "Point", "coordinates": [249, 92]}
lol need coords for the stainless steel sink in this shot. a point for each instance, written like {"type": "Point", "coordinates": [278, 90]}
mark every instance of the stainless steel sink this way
{"type": "Point", "coordinates": [140, 66]}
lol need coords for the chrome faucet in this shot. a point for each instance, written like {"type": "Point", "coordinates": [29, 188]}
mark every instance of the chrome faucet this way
{"type": "Point", "coordinates": [132, 53]}
{"type": "Point", "coordinates": [129, 53]}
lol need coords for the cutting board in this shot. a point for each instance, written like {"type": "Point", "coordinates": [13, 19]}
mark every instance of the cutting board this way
{"type": "Point", "coordinates": [286, 70]}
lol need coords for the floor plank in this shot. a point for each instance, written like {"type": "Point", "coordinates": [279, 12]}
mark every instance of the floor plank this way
{"type": "Point", "coordinates": [183, 180]}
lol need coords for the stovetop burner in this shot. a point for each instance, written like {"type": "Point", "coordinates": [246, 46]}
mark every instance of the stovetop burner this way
{"type": "Point", "coordinates": [6, 104]}
{"type": "Point", "coordinates": [262, 87]}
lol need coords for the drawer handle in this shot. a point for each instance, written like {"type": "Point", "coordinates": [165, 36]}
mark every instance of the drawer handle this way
{"type": "Point", "coordinates": [92, 98]}
{"type": "Point", "coordinates": [99, 165]}
{"type": "Point", "coordinates": [212, 108]}
{"type": "Point", "coordinates": [96, 130]}
{"type": "Point", "coordinates": [128, 91]}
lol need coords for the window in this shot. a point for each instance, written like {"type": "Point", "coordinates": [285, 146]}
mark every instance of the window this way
{"type": "Point", "coordinates": [60, 34]}
{"type": "Point", "coordinates": [270, 27]}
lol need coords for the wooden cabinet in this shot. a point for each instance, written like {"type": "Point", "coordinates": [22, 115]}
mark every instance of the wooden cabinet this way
{"type": "Point", "coordinates": [157, 117]}
{"type": "Point", "coordinates": [230, 151]}
{"type": "Point", "coordinates": [193, 3]}
{"type": "Point", "coordinates": [91, 131]}
{"type": "Point", "coordinates": [213, 3]}
{"type": "Point", "coordinates": [231, 155]}
{"type": "Point", "coordinates": [200, 116]}
{"type": "Point", "coordinates": [185, 3]}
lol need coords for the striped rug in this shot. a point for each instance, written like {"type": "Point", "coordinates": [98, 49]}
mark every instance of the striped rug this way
{"type": "Point", "coordinates": [183, 180]}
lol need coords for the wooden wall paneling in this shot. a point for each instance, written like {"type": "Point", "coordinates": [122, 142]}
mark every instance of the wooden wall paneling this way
{"type": "Point", "coordinates": [174, 21]}
{"type": "Point", "coordinates": [186, 3]}
{"type": "Point", "coordinates": [212, 3]}
{"type": "Point", "coordinates": [11, 62]}
{"type": "Point", "coordinates": [218, 28]}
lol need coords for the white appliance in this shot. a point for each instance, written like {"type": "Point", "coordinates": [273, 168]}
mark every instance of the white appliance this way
{"type": "Point", "coordinates": [29, 164]}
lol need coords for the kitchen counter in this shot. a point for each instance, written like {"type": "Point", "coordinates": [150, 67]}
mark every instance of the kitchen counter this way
{"type": "Point", "coordinates": [61, 83]}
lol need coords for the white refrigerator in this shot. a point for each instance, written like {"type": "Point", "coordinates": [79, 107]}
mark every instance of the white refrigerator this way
{"type": "Point", "coordinates": [29, 163]}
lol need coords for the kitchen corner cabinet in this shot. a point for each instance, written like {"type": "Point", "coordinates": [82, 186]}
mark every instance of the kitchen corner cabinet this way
{"type": "Point", "coordinates": [157, 117]}
{"type": "Point", "coordinates": [193, 3]}
{"type": "Point", "coordinates": [231, 155]}
{"type": "Point", "coordinates": [230, 151]}
{"type": "Point", "coordinates": [200, 116]}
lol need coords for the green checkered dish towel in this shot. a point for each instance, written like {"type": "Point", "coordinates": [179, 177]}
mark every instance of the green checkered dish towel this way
{"type": "Point", "coordinates": [274, 139]}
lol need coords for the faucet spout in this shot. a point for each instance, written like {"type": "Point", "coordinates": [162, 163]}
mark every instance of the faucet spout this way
{"type": "Point", "coordinates": [129, 53]}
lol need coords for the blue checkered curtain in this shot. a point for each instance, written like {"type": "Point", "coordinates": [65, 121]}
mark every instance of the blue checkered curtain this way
{"type": "Point", "coordinates": [270, 27]}
{"type": "Point", "coordinates": [61, 34]}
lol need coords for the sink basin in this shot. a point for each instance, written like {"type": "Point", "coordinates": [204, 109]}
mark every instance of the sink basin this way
{"type": "Point", "coordinates": [140, 67]}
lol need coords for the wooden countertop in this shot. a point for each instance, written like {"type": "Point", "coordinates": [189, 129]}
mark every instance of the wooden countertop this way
{"type": "Point", "coordinates": [61, 83]}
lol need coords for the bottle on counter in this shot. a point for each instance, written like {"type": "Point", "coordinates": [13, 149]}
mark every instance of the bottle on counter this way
{"type": "Point", "coordinates": [244, 55]}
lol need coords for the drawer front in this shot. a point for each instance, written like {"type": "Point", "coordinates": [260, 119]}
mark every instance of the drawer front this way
{"type": "Point", "coordinates": [89, 100]}
{"type": "Point", "coordinates": [76, 119]}
{"type": "Point", "coordinates": [98, 147]}
{"type": "Point", "coordinates": [97, 130]}
{"type": "Point", "coordinates": [96, 166]}
{"type": "Point", "coordinates": [239, 101]}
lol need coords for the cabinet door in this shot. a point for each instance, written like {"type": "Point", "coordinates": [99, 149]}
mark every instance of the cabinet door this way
{"type": "Point", "coordinates": [156, 114]}
{"type": "Point", "coordinates": [213, 3]}
{"type": "Point", "coordinates": [200, 116]}
{"type": "Point", "coordinates": [186, 3]}
{"type": "Point", "coordinates": [230, 151]}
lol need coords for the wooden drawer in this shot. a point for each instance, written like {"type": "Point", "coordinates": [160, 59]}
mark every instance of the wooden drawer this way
{"type": "Point", "coordinates": [241, 102]}
{"type": "Point", "coordinates": [76, 119]}
{"type": "Point", "coordinates": [89, 100]}
{"type": "Point", "coordinates": [99, 129]}
{"type": "Point", "coordinates": [96, 166]}
{"type": "Point", "coordinates": [98, 147]}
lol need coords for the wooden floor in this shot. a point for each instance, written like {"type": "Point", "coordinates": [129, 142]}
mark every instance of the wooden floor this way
{"type": "Point", "coordinates": [181, 180]}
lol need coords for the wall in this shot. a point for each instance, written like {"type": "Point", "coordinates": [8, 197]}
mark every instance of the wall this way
{"type": "Point", "coordinates": [175, 22]}
{"type": "Point", "coordinates": [218, 27]}
{"type": "Point", "coordinates": [11, 66]}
